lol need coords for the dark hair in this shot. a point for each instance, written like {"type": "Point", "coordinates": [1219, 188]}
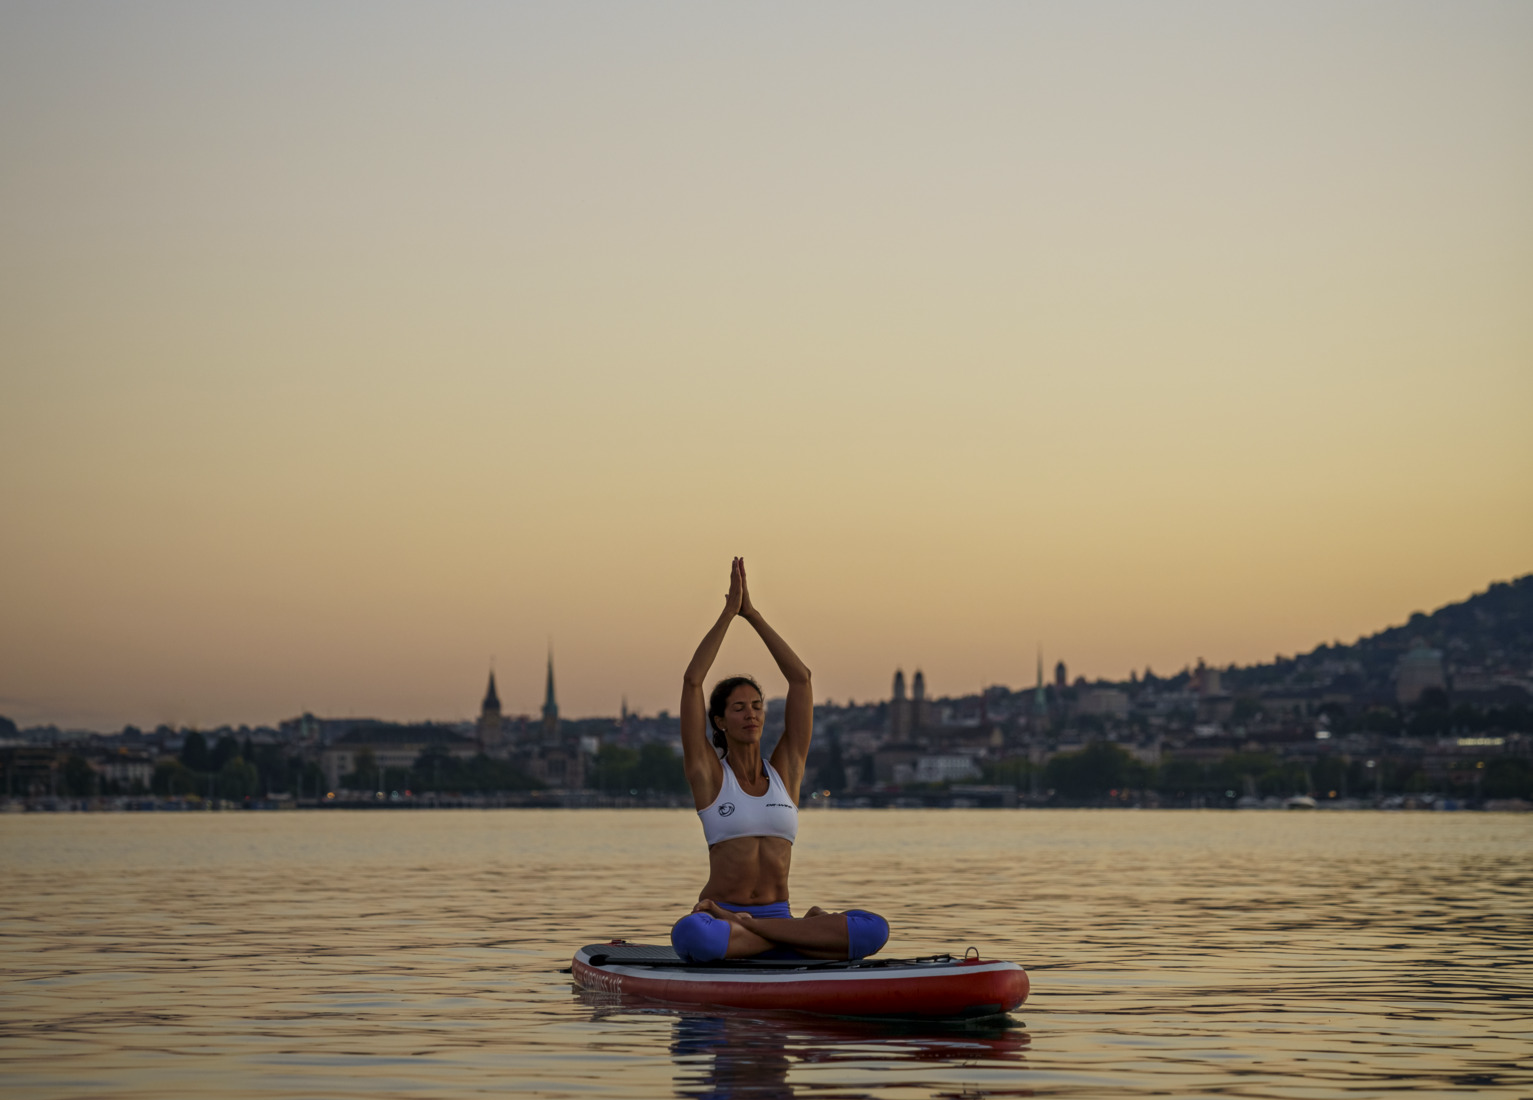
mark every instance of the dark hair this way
{"type": "Point", "coordinates": [720, 699]}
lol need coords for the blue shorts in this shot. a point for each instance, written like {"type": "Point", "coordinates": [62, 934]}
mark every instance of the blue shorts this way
{"type": "Point", "coordinates": [698, 937]}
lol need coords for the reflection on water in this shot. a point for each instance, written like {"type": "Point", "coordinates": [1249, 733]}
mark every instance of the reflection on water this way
{"type": "Point", "coordinates": [413, 953]}
{"type": "Point", "coordinates": [728, 1057]}
{"type": "Point", "coordinates": [734, 1055]}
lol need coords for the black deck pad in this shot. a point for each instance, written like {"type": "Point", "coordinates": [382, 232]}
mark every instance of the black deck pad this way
{"type": "Point", "coordinates": [645, 954]}
{"type": "Point", "coordinates": [632, 954]}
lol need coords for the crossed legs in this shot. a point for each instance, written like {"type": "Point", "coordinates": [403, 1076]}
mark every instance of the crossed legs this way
{"type": "Point", "coordinates": [711, 931]}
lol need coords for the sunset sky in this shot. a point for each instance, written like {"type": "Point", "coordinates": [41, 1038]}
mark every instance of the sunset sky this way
{"type": "Point", "coordinates": [347, 347]}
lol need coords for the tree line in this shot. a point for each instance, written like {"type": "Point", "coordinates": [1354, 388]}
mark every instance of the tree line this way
{"type": "Point", "coordinates": [229, 769]}
{"type": "Point", "coordinates": [436, 769]}
{"type": "Point", "coordinates": [1104, 771]}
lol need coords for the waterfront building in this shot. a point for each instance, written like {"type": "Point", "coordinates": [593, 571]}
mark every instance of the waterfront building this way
{"type": "Point", "coordinates": [126, 769]}
{"type": "Point", "coordinates": [946, 768]}
{"type": "Point", "coordinates": [390, 746]}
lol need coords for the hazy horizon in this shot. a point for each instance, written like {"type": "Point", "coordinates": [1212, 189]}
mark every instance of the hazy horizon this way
{"type": "Point", "coordinates": [347, 348]}
{"type": "Point", "coordinates": [470, 711]}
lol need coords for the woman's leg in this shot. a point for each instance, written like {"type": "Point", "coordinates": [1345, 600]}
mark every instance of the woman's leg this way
{"type": "Point", "coordinates": [712, 933]}
{"type": "Point", "coordinates": [854, 934]}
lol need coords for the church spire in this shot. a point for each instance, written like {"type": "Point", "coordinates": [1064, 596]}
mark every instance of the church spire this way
{"type": "Point", "coordinates": [550, 703]}
{"type": "Point", "coordinates": [490, 727]}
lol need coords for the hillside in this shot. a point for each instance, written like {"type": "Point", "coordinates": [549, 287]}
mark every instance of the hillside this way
{"type": "Point", "coordinates": [1491, 632]}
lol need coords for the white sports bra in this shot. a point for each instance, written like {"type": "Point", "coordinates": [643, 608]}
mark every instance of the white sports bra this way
{"type": "Point", "coordinates": [735, 814]}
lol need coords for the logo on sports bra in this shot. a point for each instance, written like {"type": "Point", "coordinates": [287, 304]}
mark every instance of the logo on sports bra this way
{"type": "Point", "coordinates": [726, 809]}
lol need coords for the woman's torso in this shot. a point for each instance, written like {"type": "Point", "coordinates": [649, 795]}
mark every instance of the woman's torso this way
{"type": "Point", "coordinates": [749, 869]}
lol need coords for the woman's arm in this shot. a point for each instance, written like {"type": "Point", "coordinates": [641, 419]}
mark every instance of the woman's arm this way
{"type": "Point", "coordinates": [699, 760]}
{"type": "Point", "coordinates": [798, 720]}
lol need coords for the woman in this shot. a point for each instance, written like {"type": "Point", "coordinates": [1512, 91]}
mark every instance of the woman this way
{"type": "Point", "coordinates": [749, 810]}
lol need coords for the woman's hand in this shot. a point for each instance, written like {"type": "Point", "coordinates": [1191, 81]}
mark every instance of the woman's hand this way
{"type": "Point", "coordinates": [747, 609]}
{"type": "Point", "coordinates": [736, 597]}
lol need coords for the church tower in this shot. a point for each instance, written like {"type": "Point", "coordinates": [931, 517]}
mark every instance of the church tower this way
{"type": "Point", "coordinates": [491, 729]}
{"type": "Point", "coordinates": [550, 707]}
{"type": "Point", "coordinates": [920, 709]}
{"type": "Point", "coordinates": [899, 709]}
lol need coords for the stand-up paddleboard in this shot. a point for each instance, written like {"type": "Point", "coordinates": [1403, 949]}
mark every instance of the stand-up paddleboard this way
{"type": "Point", "coordinates": [935, 986]}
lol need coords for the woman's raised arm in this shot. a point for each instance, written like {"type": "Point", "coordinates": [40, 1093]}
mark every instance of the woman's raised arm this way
{"type": "Point", "coordinates": [704, 772]}
{"type": "Point", "coordinates": [798, 719]}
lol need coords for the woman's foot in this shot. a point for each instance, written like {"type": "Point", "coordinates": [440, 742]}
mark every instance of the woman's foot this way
{"type": "Point", "coordinates": [717, 911]}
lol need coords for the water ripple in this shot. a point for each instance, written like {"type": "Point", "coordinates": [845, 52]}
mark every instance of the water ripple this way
{"type": "Point", "coordinates": [417, 954]}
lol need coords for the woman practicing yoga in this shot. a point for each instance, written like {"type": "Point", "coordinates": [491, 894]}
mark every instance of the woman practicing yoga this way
{"type": "Point", "coordinates": [749, 810]}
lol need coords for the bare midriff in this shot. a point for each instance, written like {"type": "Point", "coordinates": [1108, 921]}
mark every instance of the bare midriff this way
{"type": "Point", "coordinates": [748, 870]}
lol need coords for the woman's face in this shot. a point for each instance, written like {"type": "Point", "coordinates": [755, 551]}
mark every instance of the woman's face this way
{"type": "Point", "coordinates": [744, 714]}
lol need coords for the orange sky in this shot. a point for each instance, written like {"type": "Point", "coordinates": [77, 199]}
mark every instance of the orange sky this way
{"type": "Point", "coordinates": [342, 351]}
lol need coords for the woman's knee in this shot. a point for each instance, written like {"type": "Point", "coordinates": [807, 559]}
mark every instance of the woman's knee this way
{"type": "Point", "coordinates": [865, 933]}
{"type": "Point", "coordinates": [697, 937]}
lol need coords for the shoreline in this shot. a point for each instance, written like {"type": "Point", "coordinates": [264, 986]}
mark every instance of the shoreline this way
{"type": "Point", "coordinates": [590, 800]}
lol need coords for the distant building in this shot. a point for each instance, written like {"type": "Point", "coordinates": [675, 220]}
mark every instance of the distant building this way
{"type": "Point", "coordinates": [1419, 670]}
{"type": "Point", "coordinates": [550, 707]}
{"type": "Point", "coordinates": [1286, 706]}
{"type": "Point", "coordinates": [558, 766]}
{"type": "Point", "coordinates": [125, 768]}
{"type": "Point", "coordinates": [30, 769]}
{"type": "Point", "coordinates": [491, 727]}
{"type": "Point", "coordinates": [907, 716]}
{"type": "Point", "coordinates": [920, 706]}
{"type": "Point", "coordinates": [1104, 702]}
{"type": "Point", "coordinates": [309, 730]}
{"type": "Point", "coordinates": [946, 769]}
{"type": "Point", "coordinates": [556, 760]}
{"type": "Point", "coordinates": [899, 709]}
{"type": "Point", "coordinates": [1215, 705]}
{"type": "Point", "coordinates": [896, 763]}
{"type": "Point", "coordinates": [1483, 688]}
{"type": "Point", "coordinates": [1061, 674]}
{"type": "Point", "coordinates": [390, 747]}
{"type": "Point", "coordinates": [1040, 696]}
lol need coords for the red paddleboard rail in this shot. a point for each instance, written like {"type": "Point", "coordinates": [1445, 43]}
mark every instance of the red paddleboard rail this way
{"type": "Point", "coordinates": [968, 987]}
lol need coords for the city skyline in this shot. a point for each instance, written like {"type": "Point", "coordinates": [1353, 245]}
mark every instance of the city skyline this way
{"type": "Point", "coordinates": [341, 349]}
{"type": "Point", "coordinates": [545, 716]}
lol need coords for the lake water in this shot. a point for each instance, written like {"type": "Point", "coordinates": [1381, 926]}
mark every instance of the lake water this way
{"type": "Point", "coordinates": [384, 954]}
